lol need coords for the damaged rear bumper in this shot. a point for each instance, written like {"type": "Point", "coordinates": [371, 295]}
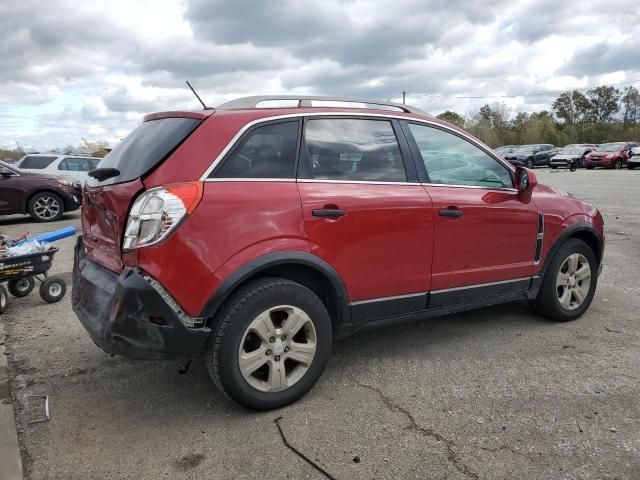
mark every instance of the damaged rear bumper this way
{"type": "Point", "coordinates": [130, 315]}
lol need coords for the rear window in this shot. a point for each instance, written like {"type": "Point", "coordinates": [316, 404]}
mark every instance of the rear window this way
{"type": "Point", "coordinates": [76, 164]}
{"type": "Point", "coordinates": [145, 148]}
{"type": "Point", "coordinates": [36, 162]}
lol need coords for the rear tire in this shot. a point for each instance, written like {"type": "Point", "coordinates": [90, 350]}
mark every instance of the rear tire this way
{"type": "Point", "coordinates": [53, 289]}
{"type": "Point", "coordinates": [46, 207]}
{"type": "Point", "coordinates": [564, 295]}
{"type": "Point", "coordinates": [250, 355]}
{"type": "Point", "coordinates": [553, 166]}
{"type": "Point", "coordinates": [631, 167]}
{"type": "Point", "coordinates": [21, 287]}
{"type": "Point", "coordinates": [4, 299]}
{"type": "Point", "coordinates": [530, 164]}
{"type": "Point", "coordinates": [589, 167]}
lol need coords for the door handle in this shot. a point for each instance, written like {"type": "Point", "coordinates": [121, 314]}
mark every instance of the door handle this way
{"type": "Point", "coordinates": [328, 212]}
{"type": "Point", "coordinates": [450, 212]}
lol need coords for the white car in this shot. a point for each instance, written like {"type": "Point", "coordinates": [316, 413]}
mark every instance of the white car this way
{"type": "Point", "coordinates": [71, 167]}
{"type": "Point", "coordinates": [634, 158]}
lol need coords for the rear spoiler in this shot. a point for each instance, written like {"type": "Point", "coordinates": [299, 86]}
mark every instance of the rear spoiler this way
{"type": "Point", "coordinates": [199, 115]}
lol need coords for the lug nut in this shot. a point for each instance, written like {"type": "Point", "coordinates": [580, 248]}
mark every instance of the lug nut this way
{"type": "Point", "coordinates": [284, 337]}
{"type": "Point", "coordinates": [268, 352]}
{"type": "Point", "coordinates": [272, 339]}
{"type": "Point", "coordinates": [277, 358]}
{"type": "Point", "coordinates": [286, 349]}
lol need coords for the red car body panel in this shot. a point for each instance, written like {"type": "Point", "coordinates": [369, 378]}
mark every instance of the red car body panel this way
{"type": "Point", "coordinates": [231, 226]}
{"type": "Point", "coordinates": [391, 241]}
{"type": "Point", "coordinates": [562, 210]}
{"type": "Point", "coordinates": [383, 246]}
{"type": "Point", "coordinates": [493, 240]}
{"type": "Point", "coordinates": [104, 217]}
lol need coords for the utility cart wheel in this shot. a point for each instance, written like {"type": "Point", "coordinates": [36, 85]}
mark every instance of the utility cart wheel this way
{"type": "Point", "coordinates": [21, 287]}
{"type": "Point", "coordinates": [52, 290]}
{"type": "Point", "coordinates": [4, 299]}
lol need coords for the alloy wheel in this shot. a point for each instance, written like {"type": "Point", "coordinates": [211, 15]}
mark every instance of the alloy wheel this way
{"type": "Point", "coordinates": [618, 164]}
{"type": "Point", "coordinates": [277, 348]}
{"type": "Point", "coordinates": [573, 281]}
{"type": "Point", "coordinates": [46, 207]}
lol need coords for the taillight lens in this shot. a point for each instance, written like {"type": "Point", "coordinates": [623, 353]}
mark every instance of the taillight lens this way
{"type": "Point", "coordinates": [156, 212]}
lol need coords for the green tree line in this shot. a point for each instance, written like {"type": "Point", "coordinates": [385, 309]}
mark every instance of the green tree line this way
{"type": "Point", "coordinates": [603, 114]}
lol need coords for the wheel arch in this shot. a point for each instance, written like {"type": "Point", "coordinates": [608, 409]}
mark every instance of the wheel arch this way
{"type": "Point", "coordinates": [584, 231]}
{"type": "Point", "coordinates": [301, 267]}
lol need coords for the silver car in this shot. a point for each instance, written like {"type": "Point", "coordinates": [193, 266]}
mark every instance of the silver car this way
{"type": "Point", "coordinates": [71, 167]}
{"type": "Point", "coordinates": [570, 154]}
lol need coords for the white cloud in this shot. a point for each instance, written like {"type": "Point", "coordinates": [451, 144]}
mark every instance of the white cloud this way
{"type": "Point", "coordinates": [92, 69]}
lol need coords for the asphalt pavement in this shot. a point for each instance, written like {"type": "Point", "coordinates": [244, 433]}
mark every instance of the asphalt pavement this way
{"type": "Point", "coordinates": [491, 394]}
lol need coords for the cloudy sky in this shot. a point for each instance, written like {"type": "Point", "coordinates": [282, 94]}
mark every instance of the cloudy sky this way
{"type": "Point", "coordinates": [76, 69]}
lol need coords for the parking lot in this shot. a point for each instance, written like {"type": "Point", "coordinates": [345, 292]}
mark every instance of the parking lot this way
{"type": "Point", "coordinates": [496, 393]}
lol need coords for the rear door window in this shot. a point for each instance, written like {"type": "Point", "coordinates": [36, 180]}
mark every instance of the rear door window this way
{"type": "Point", "coordinates": [36, 162]}
{"type": "Point", "coordinates": [76, 164]}
{"type": "Point", "coordinates": [268, 151]}
{"type": "Point", "coordinates": [145, 148]}
{"type": "Point", "coordinates": [352, 150]}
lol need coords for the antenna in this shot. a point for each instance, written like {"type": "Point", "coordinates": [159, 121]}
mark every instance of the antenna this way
{"type": "Point", "coordinates": [198, 97]}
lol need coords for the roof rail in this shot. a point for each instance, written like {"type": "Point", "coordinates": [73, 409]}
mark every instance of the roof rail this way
{"type": "Point", "coordinates": [307, 101]}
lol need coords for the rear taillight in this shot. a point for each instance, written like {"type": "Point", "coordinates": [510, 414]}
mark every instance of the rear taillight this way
{"type": "Point", "coordinates": [156, 212]}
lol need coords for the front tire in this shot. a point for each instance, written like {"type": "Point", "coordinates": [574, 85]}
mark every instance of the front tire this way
{"type": "Point", "coordinates": [569, 283]}
{"type": "Point", "coordinates": [46, 207]}
{"type": "Point", "coordinates": [271, 344]}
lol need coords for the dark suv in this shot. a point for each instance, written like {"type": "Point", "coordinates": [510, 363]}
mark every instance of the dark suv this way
{"type": "Point", "coordinates": [531, 156]}
{"type": "Point", "coordinates": [256, 236]}
{"type": "Point", "coordinates": [44, 197]}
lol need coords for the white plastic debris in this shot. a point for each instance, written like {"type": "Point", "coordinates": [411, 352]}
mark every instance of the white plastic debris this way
{"type": "Point", "coordinates": [27, 248]}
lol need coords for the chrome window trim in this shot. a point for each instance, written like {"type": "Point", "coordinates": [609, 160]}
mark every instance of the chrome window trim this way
{"type": "Point", "coordinates": [477, 187]}
{"type": "Point", "coordinates": [309, 180]}
{"type": "Point", "coordinates": [288, 180]}
{"type": "Point", "coordinates": [357, 182]}
{"type": "Point", "coordinates": [258, 121]}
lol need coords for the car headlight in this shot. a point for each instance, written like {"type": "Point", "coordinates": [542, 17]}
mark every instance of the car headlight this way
{"type": "Point", "coordinates": [65, 183]}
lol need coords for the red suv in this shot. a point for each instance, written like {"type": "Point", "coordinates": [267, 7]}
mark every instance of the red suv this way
{"type": "Point", "coordinates": [255, 236]}
{"type": "Point", "coordinates": [610, 155]}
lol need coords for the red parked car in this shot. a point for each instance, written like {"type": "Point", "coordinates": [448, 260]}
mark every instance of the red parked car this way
{"type": "Point", "coordinates": [610, 155]}
{"type": "Point", "coordinates": [256, 236]}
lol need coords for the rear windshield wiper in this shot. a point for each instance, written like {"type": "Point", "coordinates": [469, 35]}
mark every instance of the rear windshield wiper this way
{"type": "Point", "coordinates": [102, 174]}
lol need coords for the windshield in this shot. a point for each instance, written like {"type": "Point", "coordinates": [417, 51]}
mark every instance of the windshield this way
{"type": "Point", "coordinates": [504, 149]}
{"type": "Point", "coordinates": [525, 149]}
{"type": "Point", "coordinates": [571, 151]}
{"type": "Point", "coordinates": [5, 166]}
{"type": "Point", "coordinates": [611, 147]}
{"type": "Point", "coordinates": [145, 148]}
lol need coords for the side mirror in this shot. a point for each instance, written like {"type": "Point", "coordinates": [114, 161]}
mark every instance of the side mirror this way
{"type": "Point", "coordinates": [525, 179]}
{"type": "Point", "coordinates": [5, 173]}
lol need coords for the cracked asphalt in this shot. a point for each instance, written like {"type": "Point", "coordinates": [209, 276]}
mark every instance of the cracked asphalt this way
{"type": "Point", "coordinates": [491, 394]}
